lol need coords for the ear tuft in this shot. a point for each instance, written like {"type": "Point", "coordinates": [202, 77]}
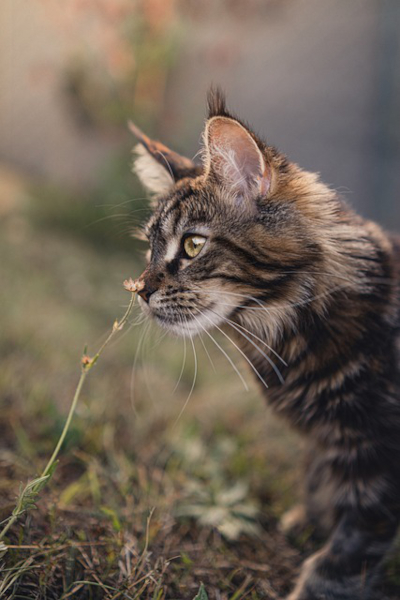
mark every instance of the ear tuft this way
{"type": "Point", "coordinates": [216, 103]}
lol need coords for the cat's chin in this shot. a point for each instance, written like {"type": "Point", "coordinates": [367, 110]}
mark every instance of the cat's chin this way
{"type": "Point", "coordinates": [189, 327]}
{"type": "Point", "coordinates": [178, 329]}
{"type": "Point", "coordinates": [180, 325]}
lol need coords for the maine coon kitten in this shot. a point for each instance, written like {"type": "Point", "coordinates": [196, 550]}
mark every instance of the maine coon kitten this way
{"type": "Point", "coordinates": [251, 241]}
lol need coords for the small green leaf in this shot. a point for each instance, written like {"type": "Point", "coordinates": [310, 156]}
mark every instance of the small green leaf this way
{"type": "Point", "coordinates": [201, 594]}
{"type": "Point", "coordinates": [187, 561]}
{"type": "Point", "coordinates": [112, 515]}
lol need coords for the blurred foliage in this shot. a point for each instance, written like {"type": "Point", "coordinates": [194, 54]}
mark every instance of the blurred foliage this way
{"type": "Point", "coordinates": [106, 216]}
{"type": "Point", "coordinates": [202, 594]}
{"type": "Point", "coordinates": [125, 73]}
{"type": "Point", "coordinates": [134, 48]}
{"type": "Point", "coordinates": [214, 494]}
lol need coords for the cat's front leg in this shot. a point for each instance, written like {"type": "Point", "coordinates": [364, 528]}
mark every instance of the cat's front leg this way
{"type": "Point", "coordinates": [349, 565]}
{"type": "Point", "coordinates": [316, 515]}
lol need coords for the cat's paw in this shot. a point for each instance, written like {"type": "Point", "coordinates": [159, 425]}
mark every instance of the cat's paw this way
{"type": "Point", "coordinates": [294, 521]}
{"type": "Point", "coordinates": [315, 581]}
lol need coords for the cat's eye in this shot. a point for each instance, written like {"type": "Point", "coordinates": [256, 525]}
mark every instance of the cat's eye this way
{"type": "Point", "coordinates": [193, 244]}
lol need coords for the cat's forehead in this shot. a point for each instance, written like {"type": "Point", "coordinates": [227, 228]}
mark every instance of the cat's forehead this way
{"type": "Point", "coordinates": [185, 208]}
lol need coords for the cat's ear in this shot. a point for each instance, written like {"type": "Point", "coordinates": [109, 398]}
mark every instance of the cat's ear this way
{"type": "Point", "coordinates": [234, 160]}
{"type": "Point", "coordinates": [158, 167]}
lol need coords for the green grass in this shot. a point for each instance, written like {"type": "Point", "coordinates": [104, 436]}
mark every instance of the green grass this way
{"type": "Point", "coordinates": [142, 504]}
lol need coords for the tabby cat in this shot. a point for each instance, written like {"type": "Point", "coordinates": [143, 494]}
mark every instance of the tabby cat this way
{"type": "Point", "coordinates": [310, 290]}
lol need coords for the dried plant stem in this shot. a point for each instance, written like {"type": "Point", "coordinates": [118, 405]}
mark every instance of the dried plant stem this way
{"type": "Point", "coordinates": [60, 442]}
{"type": "Point", "coordinates": [29, 493]}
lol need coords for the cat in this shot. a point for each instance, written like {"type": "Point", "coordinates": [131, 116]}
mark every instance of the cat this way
{"type": "Point", "coordinates": [251, 242]}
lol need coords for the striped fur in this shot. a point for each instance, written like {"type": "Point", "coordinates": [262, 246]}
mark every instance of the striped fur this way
{"type": "Point", "coordinates": [287, 263]}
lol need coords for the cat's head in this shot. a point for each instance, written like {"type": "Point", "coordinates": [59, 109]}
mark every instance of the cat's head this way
{"type": "Point", "coordinates": [230, 239]}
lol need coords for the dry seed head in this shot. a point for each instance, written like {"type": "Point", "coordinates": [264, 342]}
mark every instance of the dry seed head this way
{"type": "Point", "coordinates": [133, 286]}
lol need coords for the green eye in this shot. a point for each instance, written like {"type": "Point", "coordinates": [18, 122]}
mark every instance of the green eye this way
{"type": "Point", "coordinates": [193, 245]}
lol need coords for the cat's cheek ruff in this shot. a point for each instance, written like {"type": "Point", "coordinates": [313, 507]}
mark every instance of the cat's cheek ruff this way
{"type": "Point", "coordinates": [269, 323]}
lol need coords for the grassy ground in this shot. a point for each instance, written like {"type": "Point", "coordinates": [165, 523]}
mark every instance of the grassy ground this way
{"type": "Point", "coordinates": [148, 500]}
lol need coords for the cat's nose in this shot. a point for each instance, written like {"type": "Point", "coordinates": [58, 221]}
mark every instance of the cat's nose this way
{"type": "Point", "coordinates": [145, 293]}
{"type": "Point", "coordinates": [150, 284]}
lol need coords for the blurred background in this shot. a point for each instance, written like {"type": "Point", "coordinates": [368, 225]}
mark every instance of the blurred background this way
{"type": "Point", "coordinates": [319, 79]}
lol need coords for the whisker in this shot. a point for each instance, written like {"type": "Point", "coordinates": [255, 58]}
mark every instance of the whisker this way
{"type": "Point", "coordinates": [198, 153]}
{"type": "Point", "coordinates": [131, 325]}
{"type": "Point", "coordinates": [228, 358]}
{"type": "Point", "coordinates": [193, 383]}
{"type": "Point", "coordinates": [183, 363]}
{"type": "Point", "coordinates": [235, 294]}
{"type": "Point", "coordinates": [274, 308]}
{"type": "Point", "coordinates": [121, 216]}
{"type": "Point", "coordinates": [149, 345]}
{"type": "Point", "coordinates": [239, 350]}
{"type": "Point", "coordinates": [140, 319]}
{"type": "Point", "coordinates": [260, 340]}
{"type": "Point", "coordinates": [133, 372]}
{"type": "Point", "coordinates": [267, 358]}
{"type": "Point", "coordinates": [249, 332]}
{"type": "Point", "coordinates": [122, 203]}
{"type": "Point", "coordinates": [206, 351]}
{"type": "Point", "coordinates": [167, 164]}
